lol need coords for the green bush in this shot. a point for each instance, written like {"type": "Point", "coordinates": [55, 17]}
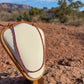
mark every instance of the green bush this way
{"type": "Point", "coordinates": [45, 19]}
{"type": "Point", "coordinates": [63, 18]}
{"type": "Point", "coordinates": [33, 15]}
{"type": "Point", "coordinates": [19, 17]}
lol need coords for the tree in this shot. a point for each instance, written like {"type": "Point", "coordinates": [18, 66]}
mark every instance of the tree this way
{"type": "Point", "coordinates": [75, 6]}
{"type": "Point", "coordinates": [19, 17]}
{"type": "Point", "coordinates": [32, 15]}
{"type": "Point", "coordinates": [61, 12]}
{"type": "Point", "coordinates": [68, 9]}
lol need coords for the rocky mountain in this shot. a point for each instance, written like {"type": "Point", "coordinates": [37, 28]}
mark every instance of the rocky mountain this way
{"type": "Point", "coordinates": [14, 6]}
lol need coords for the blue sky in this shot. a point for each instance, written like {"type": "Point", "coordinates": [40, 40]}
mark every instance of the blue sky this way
{"type": "Point", "coordinates": [36, 3]}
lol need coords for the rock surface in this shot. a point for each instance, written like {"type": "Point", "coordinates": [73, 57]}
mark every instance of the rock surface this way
{"type": "Point", "coordinates": [64, 57]}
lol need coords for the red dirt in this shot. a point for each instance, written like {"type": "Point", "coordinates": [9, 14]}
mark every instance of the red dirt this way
{"type": "Point", "coordinates": [64, 56]}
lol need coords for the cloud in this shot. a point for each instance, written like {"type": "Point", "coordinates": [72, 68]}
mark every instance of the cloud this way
{"type": "Point", "coordinates": [82, 1]}
{"type": "Point", "coordinates": [1, 1]}
{"type": "Point", "coordinates": [55, 0]}
{"type": "Point", "coordinates": [79, 0]}
{"type": "Point", "coordinates": [47, 0]}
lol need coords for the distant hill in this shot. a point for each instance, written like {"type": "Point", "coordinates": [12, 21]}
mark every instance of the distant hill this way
{"type": "Point", "coordinates": [14, 6]}
{"type": "Point", "coordinates": [10, 11]}
{"type": "Point", "coordinates": [45, 9]}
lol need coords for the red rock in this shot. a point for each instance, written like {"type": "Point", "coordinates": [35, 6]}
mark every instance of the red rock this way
{"type": "Point", "coordinates": [62, 43]}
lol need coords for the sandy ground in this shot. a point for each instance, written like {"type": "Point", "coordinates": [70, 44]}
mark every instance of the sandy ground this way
{"type": "Point", "coordinates": [64, 57]}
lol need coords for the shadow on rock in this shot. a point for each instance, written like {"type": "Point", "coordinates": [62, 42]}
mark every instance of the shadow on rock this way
{"type": "Point", "coordinates": [19, 80]}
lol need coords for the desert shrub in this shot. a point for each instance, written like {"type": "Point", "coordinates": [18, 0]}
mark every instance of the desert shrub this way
{"type": "Point", "coordinates": [63, 18]}
{"type": "Point", "coordinates": [33, 15]}
{"type": "Point", "coordinates": [9, 11]}
{"type": "Point", "coordinates": [19, 17]}
{"type": "Point", "coordinates": [13, 18]}
{"type": "Point", "coordinates": [45, 19]}
{"type": "Point", "coordinates": [34, 11]}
